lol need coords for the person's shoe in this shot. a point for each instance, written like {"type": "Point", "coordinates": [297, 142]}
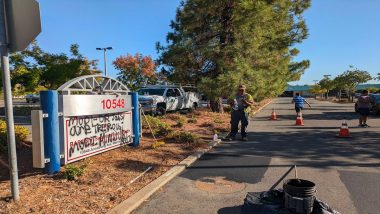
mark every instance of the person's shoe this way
{"type": "Point", "coordinates": [244, 139]}
{"type": "Point", "coordinates": [365, 125]}
{"type": "Point", "coordinates": [361, 125]}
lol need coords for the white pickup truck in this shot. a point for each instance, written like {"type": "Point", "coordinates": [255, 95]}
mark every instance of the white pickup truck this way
{"type": "Point", "coordinates": [159, 99]}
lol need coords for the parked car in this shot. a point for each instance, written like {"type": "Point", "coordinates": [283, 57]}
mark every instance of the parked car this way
{"type": "Point", "coordinates": [375, 103]}
{"type": "Point", "coordinates": [159, 99]}
{"type": "Point", "coordinates": [32, 98]}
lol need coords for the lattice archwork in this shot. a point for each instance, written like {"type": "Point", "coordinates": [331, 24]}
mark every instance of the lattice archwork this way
{"type": "Point", "coordinates": [94, 83]}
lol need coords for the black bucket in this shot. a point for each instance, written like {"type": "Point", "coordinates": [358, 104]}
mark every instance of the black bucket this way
{"type": "Point", "coordinates": [299, 195]}
{"type": "Point", "coordinates": [299, 188]}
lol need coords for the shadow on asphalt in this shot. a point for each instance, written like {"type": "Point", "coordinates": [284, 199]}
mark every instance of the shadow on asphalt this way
{"type": "Point", "coordinates": [320, 149]}
{"type": "Point", "coordinates": [241, 169]}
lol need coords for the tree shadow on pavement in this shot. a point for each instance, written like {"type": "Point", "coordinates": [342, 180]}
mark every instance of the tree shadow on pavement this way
{"type": "Point", "coordinates": [318, 148]}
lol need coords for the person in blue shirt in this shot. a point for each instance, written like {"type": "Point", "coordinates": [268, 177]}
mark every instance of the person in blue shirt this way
{"type": "Point", "coordinates": [299, 103]}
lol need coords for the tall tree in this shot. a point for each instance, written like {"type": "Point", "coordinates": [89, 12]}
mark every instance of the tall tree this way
{"type": "Point", "coordinates": [135, 70]}
{"type": "Point", "coordinates": [218, 45]}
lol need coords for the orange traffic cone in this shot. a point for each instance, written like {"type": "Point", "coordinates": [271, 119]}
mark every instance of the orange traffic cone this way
{"type": "Point", "coordinates": [273, 116]}
{"type": "Point", "coordinates": [299, 120]}
{"type": "Point", "coordinates": [344, 132]}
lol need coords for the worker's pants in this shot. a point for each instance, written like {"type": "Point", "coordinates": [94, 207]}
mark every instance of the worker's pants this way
{"type": "Point", "coordinates": [236, 117]}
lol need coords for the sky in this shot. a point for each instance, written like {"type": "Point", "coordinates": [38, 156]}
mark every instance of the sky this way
{"type": "Point", "coordinates": [341, 32]}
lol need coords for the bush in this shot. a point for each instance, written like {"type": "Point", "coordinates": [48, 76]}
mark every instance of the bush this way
{"type": "Point", "coordinates": [186, 137]}
{"type": "Point", "coordinates": [72, 172]}
{"type": "Point", "coordinates": [180, 122]}
{"type": "Point", "coordinates": [159, 128]}
{"type": "Point", "coordinates": [21, 133]}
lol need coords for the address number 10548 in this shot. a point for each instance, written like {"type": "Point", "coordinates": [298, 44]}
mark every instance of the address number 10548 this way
{"type": "Point", "coordinates": [113, 103]}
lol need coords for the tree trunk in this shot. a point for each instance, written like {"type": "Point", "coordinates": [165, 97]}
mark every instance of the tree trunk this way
{"type": "Point", "coordinates": [217, 105]}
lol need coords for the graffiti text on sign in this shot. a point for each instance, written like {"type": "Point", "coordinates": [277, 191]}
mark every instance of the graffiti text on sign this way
{"type": "Point", "coordinates": [89, 135]}
{"type": "Point", "coordinates": [113, 103]}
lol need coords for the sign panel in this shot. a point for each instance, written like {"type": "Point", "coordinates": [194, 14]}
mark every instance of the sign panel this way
{"type": "Point", "coordinates": [82, 105]}
{"type": "Point", "coordinates": [23, 23]}
{"type": "Point", "coordinates": [85, 136]}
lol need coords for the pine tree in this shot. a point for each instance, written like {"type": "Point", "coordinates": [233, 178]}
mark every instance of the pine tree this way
{"type": "Point", "coordinates": [218, 45]}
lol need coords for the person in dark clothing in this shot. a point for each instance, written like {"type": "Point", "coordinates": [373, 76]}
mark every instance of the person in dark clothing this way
{"type": "Point", "coordinates": [240, 109]}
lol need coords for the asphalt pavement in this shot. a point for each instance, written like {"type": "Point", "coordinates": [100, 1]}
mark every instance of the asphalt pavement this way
{"type": "Point", "coordinates": [346, 170]}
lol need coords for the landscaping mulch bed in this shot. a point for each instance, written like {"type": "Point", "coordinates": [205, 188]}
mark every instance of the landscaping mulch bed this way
{"type": "Point", "coordinates": [105, 182]}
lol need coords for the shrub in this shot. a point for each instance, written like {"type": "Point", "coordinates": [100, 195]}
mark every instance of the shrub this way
{"type": "Point", "coordinates": [21, 133]}
{"type": "Point", "coordinates": [159, 127]}
{"type": "Point", "coordinates": [72, 172]}
{"type": "Point", "coordinates": [180, 122]}
{"type": "Point", "coordinates": [186, 137]}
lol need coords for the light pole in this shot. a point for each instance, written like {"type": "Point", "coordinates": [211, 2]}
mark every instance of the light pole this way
{"type": "Point", "coordinates": [105, 58]}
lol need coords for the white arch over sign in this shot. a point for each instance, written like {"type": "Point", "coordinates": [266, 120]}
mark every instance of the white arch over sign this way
{"type": "Point", "coordinates": [93, 83]}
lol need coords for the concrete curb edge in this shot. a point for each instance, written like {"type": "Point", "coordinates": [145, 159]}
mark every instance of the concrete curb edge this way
{"type": "Point", "coordinates": [262, 107]}
{"type": "Point", "coordinates": [133, 202]}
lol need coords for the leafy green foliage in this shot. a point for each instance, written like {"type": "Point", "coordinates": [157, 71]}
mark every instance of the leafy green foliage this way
{"type": "Point", "coordinates": [159, 128]}
{"type": "Point", "coordinates": [351, 78]}
{"type": "Point", "coordinates": [186, 138]}
{"type": "Point", "coordinates": [218, 45]}
{"type": "Point", "coordinates": [21, 134]}
{"type": "Point", "coordinates": [317, 89]}
{"type": "Point", "coordinates": [72, 172]}
{"type": "Point", "coordinates": [327, 84]}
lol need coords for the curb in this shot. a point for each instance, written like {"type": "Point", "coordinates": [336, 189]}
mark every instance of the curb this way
{"type": "Point", "coordinates": [139, 197]}
{"type": "Point", "coordinates": [261, 108]}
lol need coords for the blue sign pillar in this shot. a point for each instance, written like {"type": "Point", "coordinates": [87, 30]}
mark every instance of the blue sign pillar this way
{"type": "Point", "coordinates": [49, 106]}
{"type": "Point", "coordinates": [136, 119]}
